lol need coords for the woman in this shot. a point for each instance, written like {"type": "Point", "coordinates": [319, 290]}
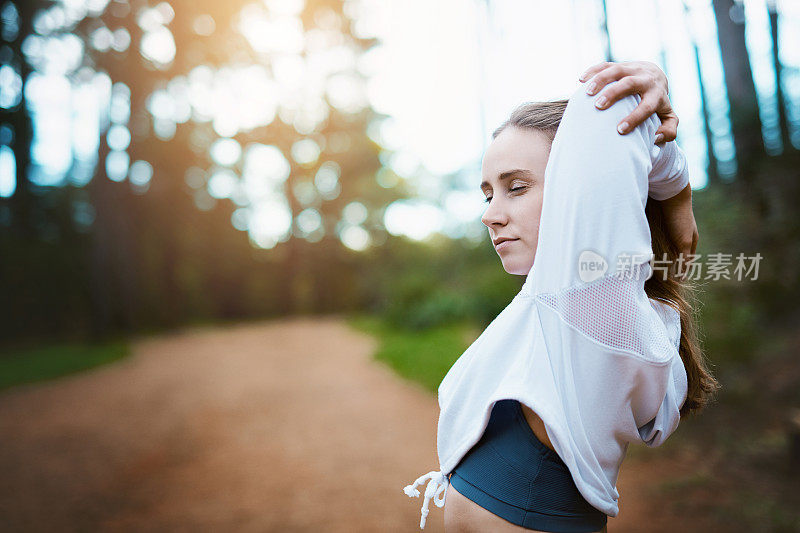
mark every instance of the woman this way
{"type": "Point", "coordinates": [596, 351]}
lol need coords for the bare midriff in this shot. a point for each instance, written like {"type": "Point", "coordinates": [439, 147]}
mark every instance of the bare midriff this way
{"type": "Point", "coordinates": [537, 425]}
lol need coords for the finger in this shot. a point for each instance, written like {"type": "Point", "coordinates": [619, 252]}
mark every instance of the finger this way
{"type": "Point", "coordinates": [646, 107]}
{"type": "Point", "coordinates": [594, 69]}
{"type": "Point", "coordinates": [607, 75]}
{"type": "Point", "coordinates": [622, 88]}
{"type": "Point", "coordinates": [668, 128]}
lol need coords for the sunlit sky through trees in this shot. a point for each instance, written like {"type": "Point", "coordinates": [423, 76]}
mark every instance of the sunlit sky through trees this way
{"type": "Point", "coordinates": [445, 73]}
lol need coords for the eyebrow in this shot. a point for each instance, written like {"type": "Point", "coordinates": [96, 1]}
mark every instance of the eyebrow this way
{"type": "Point", "coordinates": [517, 172]}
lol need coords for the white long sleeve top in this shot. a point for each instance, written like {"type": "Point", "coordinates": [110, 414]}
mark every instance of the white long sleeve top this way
{"type": "Point", "coordinates": [587, 350]}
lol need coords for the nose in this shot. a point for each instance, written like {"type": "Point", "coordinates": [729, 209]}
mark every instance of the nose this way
{"type": "Point", "coordinates": [495, 214]}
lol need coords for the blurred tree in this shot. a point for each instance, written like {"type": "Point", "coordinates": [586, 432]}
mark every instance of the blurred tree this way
{"type": "Point", "coordinates": [192, 83]}
{"type": "Point", "coordinates": [753, 214]}
{"type": "Point", "coordinates": [21, 205]}
{"type": "Point", "coordinates": [776, 61]}
{"type": "Point", "coordinates": [33, 219]}
{"type": "Point", "coordinates": [711, 167]}
{"type": "Point", "coordinates": [741, 92]}
{"type": "Point", "coordinates": [606, 35]}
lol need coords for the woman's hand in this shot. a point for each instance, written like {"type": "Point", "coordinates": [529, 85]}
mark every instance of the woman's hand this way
{"type": "Point", "coordinates": [635, 77]}
{"type": "Point", "coordinates": [681, 224]}
{"type": "Point", "coordinates": [650, 82]}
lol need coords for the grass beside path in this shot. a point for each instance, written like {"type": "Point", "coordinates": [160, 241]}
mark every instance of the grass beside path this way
{"type": "Point", "coordinates": [38, 363]}
{"type": "Point", "coordinates": [422, 356]}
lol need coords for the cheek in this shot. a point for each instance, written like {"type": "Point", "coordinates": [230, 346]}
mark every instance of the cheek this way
{"type": "Point", "coordinates": [529, 213]}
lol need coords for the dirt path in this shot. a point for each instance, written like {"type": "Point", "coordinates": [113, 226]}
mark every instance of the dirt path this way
{"type": "Point", "coordinates": [283, 425]}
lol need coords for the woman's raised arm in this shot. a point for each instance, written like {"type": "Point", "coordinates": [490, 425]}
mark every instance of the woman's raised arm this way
{"type": "Point", "coordinates": [595, 189]}
{"type": "Point", "coordinates": [592, 260]}
{"type": "Point", "coordinates": [636, 77]}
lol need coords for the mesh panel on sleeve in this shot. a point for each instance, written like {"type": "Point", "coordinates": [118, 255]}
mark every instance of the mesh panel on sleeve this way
{"type": "Point", "coordinates": [615, 311]}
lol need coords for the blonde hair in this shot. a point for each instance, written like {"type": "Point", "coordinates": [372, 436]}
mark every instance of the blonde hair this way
{"type": "Point", "coordinates": [677, 292]}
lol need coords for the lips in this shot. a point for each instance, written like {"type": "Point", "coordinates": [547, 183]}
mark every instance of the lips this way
{"type": "Point", "coordinates": [503, 243]}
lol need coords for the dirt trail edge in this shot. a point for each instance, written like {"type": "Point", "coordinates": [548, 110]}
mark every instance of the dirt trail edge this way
{"type": "Point", "coordinates": [286, 425]}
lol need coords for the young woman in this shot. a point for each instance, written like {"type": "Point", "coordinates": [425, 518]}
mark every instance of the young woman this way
{"type": "Point", "coordinates": [598, 349]}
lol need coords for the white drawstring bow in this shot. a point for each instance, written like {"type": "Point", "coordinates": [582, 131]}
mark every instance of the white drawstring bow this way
{"type": "Point", "coordinates": [436, 489]}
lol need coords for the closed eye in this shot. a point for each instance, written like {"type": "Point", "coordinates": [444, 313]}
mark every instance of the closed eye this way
{"type": "Point", "coordinates": [489, 198]}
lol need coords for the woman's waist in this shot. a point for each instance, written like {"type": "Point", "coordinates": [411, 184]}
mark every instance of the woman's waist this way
{"type": "Point", "coordinates": [536, 424]}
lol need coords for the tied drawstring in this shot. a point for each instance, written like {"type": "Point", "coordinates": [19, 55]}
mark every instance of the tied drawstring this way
{"type": "Point", "coordinates": [436, 489]}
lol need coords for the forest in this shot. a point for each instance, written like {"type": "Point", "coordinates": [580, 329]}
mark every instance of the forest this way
{"type": "Point", "coordinates": [224, 165]}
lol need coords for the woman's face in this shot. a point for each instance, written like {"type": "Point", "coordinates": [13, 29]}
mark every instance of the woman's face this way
{"type": "Point", "coordinates": [513, 182]}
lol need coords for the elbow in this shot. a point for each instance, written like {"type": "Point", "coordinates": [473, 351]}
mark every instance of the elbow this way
{"type": "Point", "coordinates": [604, 122]}
{"type": "Point", "coordinates": [608, 118]}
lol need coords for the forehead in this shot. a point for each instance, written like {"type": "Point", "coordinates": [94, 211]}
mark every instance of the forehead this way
{"type": "Point", "coordinates": [516, 148]}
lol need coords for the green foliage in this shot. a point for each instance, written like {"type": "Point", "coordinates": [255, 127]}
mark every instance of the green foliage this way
{"type": "Point", "coordinates": [732, 312]}
{"type": "Point", "coordinates": [420, 285]}
{"type": "Point", "coordinates": [27, 365]}
{"type": "Point", "coordinates": [732, 332]}
{"type": "Point", "coordinates": [421, 356]}
{"type": "Point", "coordinates": [419, 304]}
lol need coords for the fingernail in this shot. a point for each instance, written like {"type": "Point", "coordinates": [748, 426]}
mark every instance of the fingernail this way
{"type": "Point", "coordinates": [590, 89]}
{"type": "Point", "coordinates": [601, 101]}
{"type": "Point", "coordinates": [659, 138]}
{"type": "Point", "coordinates": [623, 128]}
{"type": "Point", "coordinates": [583, 76]}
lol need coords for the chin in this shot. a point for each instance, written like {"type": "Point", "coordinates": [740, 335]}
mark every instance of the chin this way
{"type": "Point", "coordinates": [517, 268]}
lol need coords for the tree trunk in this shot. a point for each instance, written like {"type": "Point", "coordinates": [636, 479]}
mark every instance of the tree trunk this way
{"type": "Point", "coordinates": [609, 55]}
{"type": "Point", "coordinates": [22, 202]}
{"type": "Point", "coordinates": [742, 99]}
{"type": "Point", "coordinates": [779, 96]}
